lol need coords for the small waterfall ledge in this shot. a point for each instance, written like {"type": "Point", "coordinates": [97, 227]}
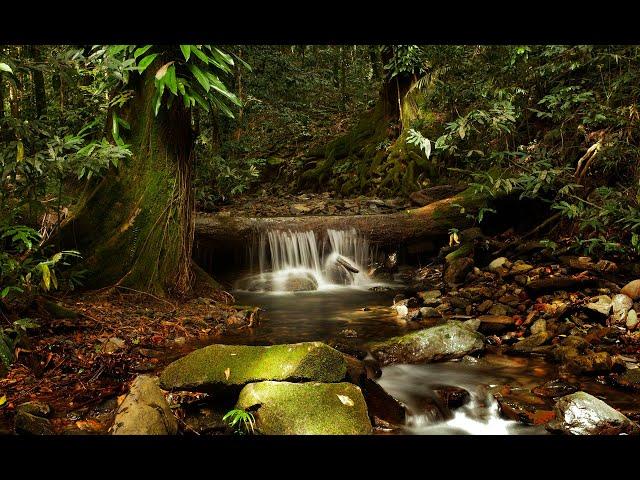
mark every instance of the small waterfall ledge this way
{"type": "Point", "coordinates": [286, 260]}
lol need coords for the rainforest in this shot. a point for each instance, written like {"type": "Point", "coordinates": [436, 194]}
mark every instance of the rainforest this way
{"type": "Point", "coordinates": [339, 239]}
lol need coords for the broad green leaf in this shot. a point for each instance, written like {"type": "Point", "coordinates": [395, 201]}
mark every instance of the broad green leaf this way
{"type": "Point", "coordinates": [200, 77]}
{"type": "Point", "coordinates": [146, 61]}
{"type": "Point", "coordinates": [170, 80]}
{"type": "Point", "coordinates": [5, 68]}
{"type": "Point", "coordinates": [3, 400]}
{"type": "Point", "coordinates": [46, 276]}
{"type": "Point", "coordinates": [141, 50]}
{"type": "Point", "coordinates": [186, 51]}
{"type": "Point", "coordinates": [200, 54]}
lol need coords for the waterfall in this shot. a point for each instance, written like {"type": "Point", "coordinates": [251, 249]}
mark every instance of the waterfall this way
{"type": "Point", "coordinates": [298, 260]}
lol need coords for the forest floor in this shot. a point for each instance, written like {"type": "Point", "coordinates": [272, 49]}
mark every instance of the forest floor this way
{"type": "Point", "coordinates": [82, 357]}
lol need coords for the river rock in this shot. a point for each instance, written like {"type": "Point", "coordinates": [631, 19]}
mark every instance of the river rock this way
{"type": "Point", "coordinates": [620, 305]}
{"type": "Point", "coordinates": [539, 326]}
{"type": "Point", "coordinates": [381, 405]}
{"type": "Point", "coordinates": [531, 343]}
{"type": "Point", "coordinates": [39, 409]}
{"type": "Point", "coordinates": [632, 289]}
{"type": "Point", "coordinates": [451, 396]}
{"type": "Point", "coordinates": [269, 282]}
{"type": "Point", "coordinates": [632, 320]}
{"type": "Point", "coordinates": [554, 389]}
{"type": "Point", "coordinates": [442, 342]}
{"type": "Point", "coordinates": [28, 424]}
{"type": "Point", "coordinates": [600, 305]}
{"type": "Point", "coordinates": [520, 268]}
{"type": "Point", "coordinates": [429, 312]}
{"type": "Point", "coordinates": [220, 367]}
{"type": "Point", "coordinates": [523, 410]}
{"type": "Point", "coordinates": [457, 270]}
{"type": "Point", "coordinates": [491, 324]}
{"type": "Point", "coordinates": [584, 414]}
{"type": "Point", "coordinates": [430, 297]}
{"type": "Point", "coordinates": [284, 408]}
{"type": "Point", "coordinates": [500, 262]}
{"type": "Point", "coordinates": [145, 411]}
{"type": "Point", "coordinates": [592, 363]}
{"type": "Point", "coordinates": [629, 379]}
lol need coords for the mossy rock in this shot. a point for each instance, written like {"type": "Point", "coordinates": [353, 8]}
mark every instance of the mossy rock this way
{"type": "Point", "coordinates": [443, 342]}
{"type": "Point", "coordinates": [284, 408]}
{"type": "Point", "coordinates": [219, 367]}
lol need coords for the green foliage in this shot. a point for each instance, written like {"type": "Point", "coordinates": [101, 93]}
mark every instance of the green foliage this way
{"type": "Point", "coordinates": [218, 179]}
{"type": "Point", "coordinates": [416, 138]}
{"type": "Point", "coordinates": [11, 337]}
{"type": "Point", "coordinates": [241, 421]}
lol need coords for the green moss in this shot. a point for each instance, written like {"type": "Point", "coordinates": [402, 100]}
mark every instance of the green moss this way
{"type": "Point", "coordinates": [283, 408]}
{"type": "Point", "coordinates": [222, 366]}
{"type": "Point", "coordinates": [443, 342]}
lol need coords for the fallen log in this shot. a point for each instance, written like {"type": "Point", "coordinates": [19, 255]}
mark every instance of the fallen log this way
{"type": "Point", "coordinates": [433, 220]}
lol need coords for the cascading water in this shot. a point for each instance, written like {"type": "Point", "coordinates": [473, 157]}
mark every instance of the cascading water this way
{"type": "Point", "coordinates": [299, 261]}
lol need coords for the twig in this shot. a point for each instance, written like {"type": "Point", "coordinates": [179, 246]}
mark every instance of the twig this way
{"type": "Point", "coordinates": [146, 293]}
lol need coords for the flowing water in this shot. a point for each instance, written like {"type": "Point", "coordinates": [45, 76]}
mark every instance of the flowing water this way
{"type": "Point", "coordinates": [344, 303]}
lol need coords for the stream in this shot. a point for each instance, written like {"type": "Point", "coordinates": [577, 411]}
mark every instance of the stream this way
{"type": "Point", "coordinates": [351, 308]}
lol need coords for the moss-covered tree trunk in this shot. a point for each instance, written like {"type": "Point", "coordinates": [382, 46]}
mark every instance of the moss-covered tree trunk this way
{"type": "Point", "coordinates": [135, 228]}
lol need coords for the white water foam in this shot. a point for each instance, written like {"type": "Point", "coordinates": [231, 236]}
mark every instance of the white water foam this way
{"type": "Point", "coordinates": [288, 257]}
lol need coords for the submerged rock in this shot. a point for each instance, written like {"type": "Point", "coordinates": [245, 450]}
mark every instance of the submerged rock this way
{"type": "Point", "coordinates": [442, 342]}
{"type": "Point", "coordinates": [584, 414]}
{"type": "Point", "coordinates": [275, 282]}
{"type": "Point", "coordinates": [284, 408]}
{"type": "Point", "coordinates": [451, 396]}
{"type": "Point", "coordinates": [219, 367]}
{"type": "Point", "coordinates": [145, 411]}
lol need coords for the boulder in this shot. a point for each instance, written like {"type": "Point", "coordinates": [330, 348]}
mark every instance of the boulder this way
{"type": "Point", "coordinates": [442, 342]}
{"type": "Point", "coordinates": [632, 320]}
{"type": "Point", "coordinates": [285, 408]}
{"type": "Point", "coordinates": [632, 289]}
{"type": "Point", "coordinates": [584, 414]}
{"type": "Point", "coordinates": [230, 367]}
{"type": "Point", "coordinates": [145, 411]}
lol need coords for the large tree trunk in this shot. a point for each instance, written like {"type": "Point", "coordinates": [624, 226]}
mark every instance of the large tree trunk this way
{"type": "Point", "coordinates": [362, 141]}
{"type": "Point", "coordinates": [135, 228]}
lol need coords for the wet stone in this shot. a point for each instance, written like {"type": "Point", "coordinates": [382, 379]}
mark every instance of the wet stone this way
{"type": "Point", "coordinates": [554, 389]}
{"type": "Point", "coordinates": [451, 396]}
